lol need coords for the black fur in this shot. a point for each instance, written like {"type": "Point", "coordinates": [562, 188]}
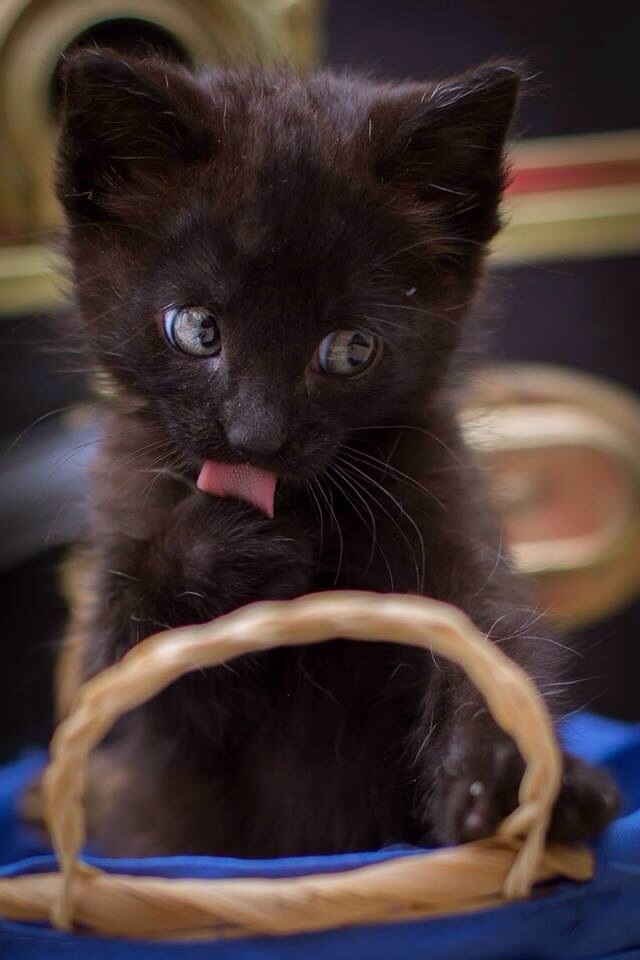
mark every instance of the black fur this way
{"type": "Point", "coordinates": [292, 207]}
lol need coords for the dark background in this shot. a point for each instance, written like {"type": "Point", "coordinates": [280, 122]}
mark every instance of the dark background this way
{"type": "Point", "coordinates": [584, 55]}
{"type": "Point", "coordinates": [584, 60]}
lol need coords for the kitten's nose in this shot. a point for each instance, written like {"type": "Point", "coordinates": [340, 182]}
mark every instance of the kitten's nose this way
{"type": "Point", "coordinates": [254, 443]}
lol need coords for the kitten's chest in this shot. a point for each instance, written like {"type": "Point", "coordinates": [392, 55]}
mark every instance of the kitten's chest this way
{"type": "Point", "coordinates": [324, 729]}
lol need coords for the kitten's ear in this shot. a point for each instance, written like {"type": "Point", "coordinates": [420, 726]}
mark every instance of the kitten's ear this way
{"type": "Point", "coordinates": [122, 121]}
{"type": "Point", "coordinates": [445, 143]}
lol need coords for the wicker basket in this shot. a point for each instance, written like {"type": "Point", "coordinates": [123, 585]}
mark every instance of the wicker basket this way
{"type": "Point", "coordinates": [426, 884]}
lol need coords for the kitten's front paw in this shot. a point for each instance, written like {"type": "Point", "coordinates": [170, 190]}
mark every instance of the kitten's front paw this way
{"type": "Point", "coordinates": [479, 788]}
{"type": "Point", "coordinates": [219, 554]}
{"type": "Point", "coordinates": [588, 801]}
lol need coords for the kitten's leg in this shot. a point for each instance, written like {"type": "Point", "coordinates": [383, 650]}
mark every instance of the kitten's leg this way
{"type": "Point", "coordinates": [478, 777]}
{"type": "Point", "coordinates": [471, 774]}
{"type": "Point", "coordinates": [206, 558]}
{"type": "Point", "coordinates": [209, 556]}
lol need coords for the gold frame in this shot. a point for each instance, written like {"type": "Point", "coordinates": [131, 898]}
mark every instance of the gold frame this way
{"type": "Point", "coordinates": [595, 221]}
{"type": "Point", "coordinates": [521, 407]}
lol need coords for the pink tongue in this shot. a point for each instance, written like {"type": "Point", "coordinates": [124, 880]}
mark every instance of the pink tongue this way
{"type": "Point", "coordinates": [239, 480]}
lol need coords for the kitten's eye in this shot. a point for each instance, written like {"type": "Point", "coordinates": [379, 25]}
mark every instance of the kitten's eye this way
{"type": "Point", "coordinates": [346, 353]}
{"type": "Point", "coordinates": [192, 330]}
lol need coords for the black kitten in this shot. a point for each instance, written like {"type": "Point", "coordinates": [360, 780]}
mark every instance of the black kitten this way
{"type": "Point", "coordinates": [271, 275]}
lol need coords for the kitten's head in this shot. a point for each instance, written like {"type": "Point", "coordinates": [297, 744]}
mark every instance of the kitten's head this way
{"type": "Point", "coordinates": [266, 262]}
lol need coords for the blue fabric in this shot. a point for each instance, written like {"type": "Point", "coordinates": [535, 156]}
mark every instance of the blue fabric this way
{"type": "Point", "coordinates": [599, 920]}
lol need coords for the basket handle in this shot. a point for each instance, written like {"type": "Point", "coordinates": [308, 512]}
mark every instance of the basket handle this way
{"type": "Point", "coordinates": [148, 668]}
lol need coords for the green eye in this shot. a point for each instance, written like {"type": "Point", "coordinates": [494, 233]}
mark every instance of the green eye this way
{"type": "Point", "coordinates": [192, 330]}
{"type": "Point", "coordinates": [346, 353]}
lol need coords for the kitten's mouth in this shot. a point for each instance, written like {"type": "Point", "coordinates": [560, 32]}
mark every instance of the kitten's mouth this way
{"type": "Point", "coordinates": [243, 481]}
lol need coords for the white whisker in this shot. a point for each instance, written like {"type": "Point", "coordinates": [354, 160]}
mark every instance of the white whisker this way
{"type": "Point", "coordinates": [420, 571]}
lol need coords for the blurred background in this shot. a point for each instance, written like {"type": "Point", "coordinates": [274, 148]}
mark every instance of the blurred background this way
{"type": "Point", "coordinates": [556, 412]}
